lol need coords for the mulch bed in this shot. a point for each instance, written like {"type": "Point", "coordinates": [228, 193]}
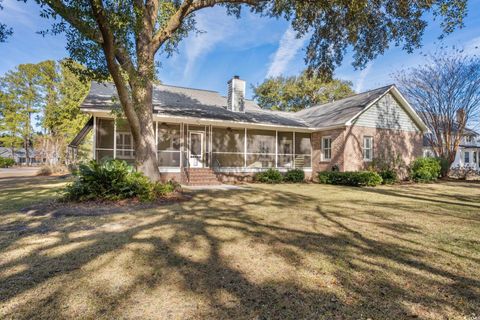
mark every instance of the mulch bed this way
{"type": "Point", "coordinates": [100, 207]}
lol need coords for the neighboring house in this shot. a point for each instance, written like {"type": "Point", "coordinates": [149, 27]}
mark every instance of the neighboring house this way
{"type": "Point", "coordinates": [203, 136]}
{"type": "Point", "coordinates": [468, 153]}
{"type": "Point", "coordinates": [20, 156]}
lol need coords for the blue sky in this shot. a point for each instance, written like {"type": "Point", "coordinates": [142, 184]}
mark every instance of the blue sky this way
{"type": "Point", "coordinates": [251, 47]}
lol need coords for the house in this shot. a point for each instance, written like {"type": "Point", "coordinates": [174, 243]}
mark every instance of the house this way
{"type": "Point", "coordinates": [204, 137]}
{"type": "Point", "coordinates": [20, 156]}
{"type": "Point", "coordinates": [468, 153]}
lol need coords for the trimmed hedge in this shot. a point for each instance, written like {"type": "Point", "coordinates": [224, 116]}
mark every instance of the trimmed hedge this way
{"type": "Point", "coordinates": [294, 175]}
{"type": "Point", "coordinates": [6, 162]}
{"type": "Point", "coordinates": [426, 169]}
{"type": "Point", "coordinates": [389, 176]}
{"type": "Point", "coordinates": [269, 176]}
{"type": "Point", "coordinates": [356, 179]}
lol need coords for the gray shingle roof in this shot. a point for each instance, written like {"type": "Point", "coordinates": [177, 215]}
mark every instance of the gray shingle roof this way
{"type": "Point", "coordinates": [196, 103]}
{"type": "Point", "coordinates": [187, 102]}
{"type": "Point", "coordinates": [340, 111]}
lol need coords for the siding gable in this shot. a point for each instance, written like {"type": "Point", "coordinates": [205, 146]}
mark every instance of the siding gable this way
{"type": "Point", "coordinates": [387, 113]}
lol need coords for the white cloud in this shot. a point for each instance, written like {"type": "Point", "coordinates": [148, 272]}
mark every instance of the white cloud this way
{"type": "Point", "coordinates": [220, 29]}
{"type": "Point", "coordinates": [16, 12]}
{"type": "Point", "coordinates": [287, 50]}
{"type": "Point", "coordinates": [363, 75]}
{"type": "Point", "coordinates": [202, 43]}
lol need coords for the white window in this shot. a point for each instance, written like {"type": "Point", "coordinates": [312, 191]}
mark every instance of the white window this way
{"type": "Point", "coordinates": [467, 157]}
{"type": "Point", "coordinates": [469, 139]}
{"type": "Point", "coordinates": [475, 160]}
{"type": "Point", "coordinates": [326, 148]}
{"type": "Point", "coordinates": [367, 148]}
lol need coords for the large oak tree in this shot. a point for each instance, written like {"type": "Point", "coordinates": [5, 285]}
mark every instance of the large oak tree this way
{"type": "Point", "coordinates": [120, 39]}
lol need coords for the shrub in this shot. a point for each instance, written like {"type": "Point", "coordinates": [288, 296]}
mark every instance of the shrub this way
{"type": "Point", "coordinates": [6, 162]}
{"type": "Point", "coordinates": [445, 166]}
{"type": "Point", "coordinates": [294, 175]}
{"type": "Point", "coordinates": [269, 176]}
{"type": "Point", "coordinates": [44, 171]}
{"type": "Point", "coordinates": [425, 169]}
{"type": "Point", "coordinates": [389, 176]}
{"type": "Point", "coordinates": [47, 170]}
{"type": "Point", "coordinates": [113, 180]}
{"type": "Point", "coordinates": [388, 165]}
{"type": "Point", "coordinates": [357, 179]}
{"type": "Point", "coordinates": [163, 189]}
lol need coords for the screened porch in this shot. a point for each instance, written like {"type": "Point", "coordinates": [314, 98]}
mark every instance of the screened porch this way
{"type": "Point", "coordinates": [181, 145]}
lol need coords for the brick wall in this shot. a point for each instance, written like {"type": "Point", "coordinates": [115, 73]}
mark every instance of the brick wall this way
{"type": "Point", "coordinates": [386, 143]}
{"type": "Point", "coordinates": [347, 145]}
{"type": "Point", "coordinates": [338, 142]}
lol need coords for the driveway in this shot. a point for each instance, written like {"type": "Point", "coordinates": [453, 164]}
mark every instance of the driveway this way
{"type": "Point", "coordinates": [18, 172]}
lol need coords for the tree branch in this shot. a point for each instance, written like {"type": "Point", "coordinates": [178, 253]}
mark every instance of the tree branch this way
{"type": "Point", "coordinates": [114, 69]}
{"type": "Point", "coordinates": [185, 9]}
{"type": "Point", "coordinates": [71, 16]}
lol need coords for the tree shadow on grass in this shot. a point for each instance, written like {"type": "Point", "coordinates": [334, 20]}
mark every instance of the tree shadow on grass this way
{"type": "Point", "coordinates": [222, 255]}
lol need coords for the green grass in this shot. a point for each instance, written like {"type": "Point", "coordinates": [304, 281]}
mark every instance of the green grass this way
{"type": "Point", "coordinates": [268, 251]}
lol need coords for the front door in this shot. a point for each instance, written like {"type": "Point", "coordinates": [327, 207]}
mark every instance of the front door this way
{"type": "Point", "coordinates": [196, 150]}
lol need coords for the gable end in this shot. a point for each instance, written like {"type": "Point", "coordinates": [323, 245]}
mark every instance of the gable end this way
{"type": "Point", "coordinates": [387, 113]}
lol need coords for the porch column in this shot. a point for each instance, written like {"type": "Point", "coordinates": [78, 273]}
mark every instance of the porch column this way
{"type": "Point", "coordinates": [181, 144]}
{"type": "Point", "coordinates": [245, 150]}
{"type": "Point", "coordinates": [294, 157]}
{"type": "Point", "coordinates": [276, 148]}
{"type": "Point", "coordinates": [94, 144]}
{"type": "Point", "coordinates": [211, 147]}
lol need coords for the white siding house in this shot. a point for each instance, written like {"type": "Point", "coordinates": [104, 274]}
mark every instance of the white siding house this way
{"type": "Point", "coordinates": [468, 153]}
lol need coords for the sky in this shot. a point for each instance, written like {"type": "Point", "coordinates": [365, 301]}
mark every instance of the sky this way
{"type": "Point", "coordinates": [252, 47]}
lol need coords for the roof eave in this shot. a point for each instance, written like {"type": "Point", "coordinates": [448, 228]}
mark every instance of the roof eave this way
{"type": "Point", "coordinates": [231, 123]}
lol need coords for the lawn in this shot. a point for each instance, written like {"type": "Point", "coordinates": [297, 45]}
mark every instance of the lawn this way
{"type": "Point", "coordinates": [264, 252]}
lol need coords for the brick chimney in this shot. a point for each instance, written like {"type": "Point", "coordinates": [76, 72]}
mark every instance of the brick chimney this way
{"type": "Point", "coordinates": [236, 94]}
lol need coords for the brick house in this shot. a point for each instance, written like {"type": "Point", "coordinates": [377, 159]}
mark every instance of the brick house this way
{"type": "Point", "coordinates": [203, 137]}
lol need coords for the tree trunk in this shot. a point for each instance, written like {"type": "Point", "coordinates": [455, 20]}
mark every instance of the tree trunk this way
{"type": "Point", "coordinates": [144, 135]}
{"type": "Point", "coordinates": [27, 140]}
{"type": "Point", "coordinates": [27, 153]}
{"type": "Point", "coordinates": [136, 102]}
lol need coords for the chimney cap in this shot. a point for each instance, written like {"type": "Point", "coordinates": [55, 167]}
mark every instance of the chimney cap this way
{"type": "Point", "coordinates": [236, 77]}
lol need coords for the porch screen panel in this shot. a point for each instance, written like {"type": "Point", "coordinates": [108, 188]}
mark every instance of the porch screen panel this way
{"type": "Point", "coordinates": [168, 145]}
{"type": "Point", "coordinates": [285, 150]}
{"type": "Point", "coordinates": [260, 148]}
{"type": "Point", "coordinates": [104, 139]}
{"type": "Point", "coordinates": [303, 150]}
{"type": "Point", "coordinates": [124, 144]}
{"type": "Point", "coordinates": [228, 147]}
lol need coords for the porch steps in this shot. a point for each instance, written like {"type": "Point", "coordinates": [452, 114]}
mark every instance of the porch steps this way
{"type": "Point", "coordinates": [202, 177]}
